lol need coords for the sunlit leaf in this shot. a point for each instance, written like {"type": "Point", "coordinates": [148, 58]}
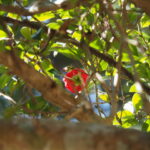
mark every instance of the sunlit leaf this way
{"type": "Point", "coordinates": [14, 16]}
{"type": "Point", "coordinates": [145, 21]}
{"type": "Point", "coordinates": [45, 16]}
{"type": "Point", "coordinates": [103, 65]}
{"type": "Point", "coordinates": [54, 25]}
{"type": "Point", "coordinates": [77, 35]}
{"type": "Point", "coordinates": [137, 101]}
{"type": "Point", "coordinates": [64, 14]}
{"type": "Point", "coordinates": [125, 119]}
{"type": "Point", "coordinates": [125, 57]}
{"type": "Point", "coordinates": [97, 44]}
{"type": "Point", "coordinates": [3, 34]}
{"type": "Point", "coordinates": [104, 97]}
{"type": "Point", "coordinates": [133, 88]}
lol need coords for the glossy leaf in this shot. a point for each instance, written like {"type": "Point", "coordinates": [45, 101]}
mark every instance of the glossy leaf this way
{"type": "Point", "coordinates": [125, 119]}
{"type": "Point", "coordinates": [45, 16]}
{"type": "Point", "coordinates": [3, 34]}
{"type": "Point", "coordinates": [137, 101]}
{"type": "Point", "coordinates": [104, 97]}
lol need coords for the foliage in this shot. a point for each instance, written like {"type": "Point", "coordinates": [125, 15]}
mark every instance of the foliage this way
{"type": "Point", "coordinates": [109, 40]}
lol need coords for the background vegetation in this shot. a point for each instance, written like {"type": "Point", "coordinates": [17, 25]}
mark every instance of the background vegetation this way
{"type": "Point", "coordinates": [109, 40]}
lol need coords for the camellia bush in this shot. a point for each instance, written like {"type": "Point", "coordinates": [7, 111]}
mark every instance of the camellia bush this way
{"type": "Point", "coordinates": [76, 60]}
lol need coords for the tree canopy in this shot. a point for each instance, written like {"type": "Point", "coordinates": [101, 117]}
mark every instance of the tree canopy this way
{"type": "Point", "coordinates": [108, 42]}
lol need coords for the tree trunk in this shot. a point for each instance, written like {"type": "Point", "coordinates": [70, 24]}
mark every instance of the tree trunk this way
{"type": "Point", "coordinates": [60, 135]}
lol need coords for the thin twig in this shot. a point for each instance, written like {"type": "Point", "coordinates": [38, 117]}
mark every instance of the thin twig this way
{"type": "Point", "coordinates": [97, 101]}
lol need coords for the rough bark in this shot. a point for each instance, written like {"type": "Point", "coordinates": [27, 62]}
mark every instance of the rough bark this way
{"type": "Point", "coordinates": [59, 135]}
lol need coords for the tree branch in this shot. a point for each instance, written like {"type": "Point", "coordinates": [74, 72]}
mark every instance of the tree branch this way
{"type": "Point", "coordinates": [26, 12]}
{"type": "Point", "coordinates": [58, 135]}
{"type": "Point", "coordinates": [106, 58]}
{"type": "Point", "coordinates": [31, 24]}
{"type": "Point", "coordinates": [112, 62]}
{"type": "Point", "coordinates": [143, 4]}
{"type": "Point", "coordinates": [49, 89]}
{"type": "Point", "coordinates": [41, 7]}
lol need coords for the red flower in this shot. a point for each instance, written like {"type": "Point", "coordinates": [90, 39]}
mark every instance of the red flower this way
{"type": "Point", "coordinates": [75, 80]}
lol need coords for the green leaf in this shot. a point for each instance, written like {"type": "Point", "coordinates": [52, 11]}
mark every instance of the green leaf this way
{"type": "Point", "coordinates": [137, 101]}
{"type": "Point", "coordinates": [2, 69]}
{"type": "Point", "coordinates": [145, 21]}
{"type": "Point", "coordinates": [45, 16]}
{"type": "Point", "coordinates": [146, 125]}
{"type": "Point", "coordinates": [54, 25]}
{"type": "Point", "coordinates": [125, 119]}
{"type": "Point", "coordinates": [67, 51]}
{"type": "Point", "coordinates": [125, 57]}
{"type": "Point", "coordinates": [97, 44]}
{"type": "Point", "coordinates": [90, 18]}
{"type": "Point", "coordinates": [4, 79]}
{"type": "Point", "coordinates": [7, 2]}
{"type": "Point", "coordinates": [143, 70]}
{"type": "Point", "coordinates": [104, 97]}
{"type": "Point", "coordinates": [64, 14]}
{"type": "Point", "coordinates": [136, 87]}
{"type": "Point", "coordinates": [14, 16]}
{"type": "Point", "coordinates": [46, 65]}
{"type": "Point", "coordinates": [77, 35]}
{"type": "Point", "coordinates": [133, 88]}
{"type": "Point", "coordinates": [27, 32]}
{"type": "Point", "coordinates": [103, 65]}
{"type": "Point", "coordinates": [3, 34]}
{"type": "Point", "coordinates": [25, 2]}
{"type": "Point", "coordinates": [133, 17]}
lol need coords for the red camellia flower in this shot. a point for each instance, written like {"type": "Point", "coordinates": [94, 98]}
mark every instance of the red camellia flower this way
{"type": "Point", "coordinates": [75, 80]}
